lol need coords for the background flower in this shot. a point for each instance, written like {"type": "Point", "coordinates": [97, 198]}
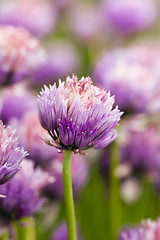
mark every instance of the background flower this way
{"type": "Point", "coordinates": [130, 16]}
{"type": "Point", "coordinates": [149, 230]}
{"type": "Point", "coordinates": [22, 193]}
{"type": "Point", "coordinates": [31, 134]}
{"type": "Point", "coordinates": [11, 155]}
{"type": "Point", "coordinates": [62, 60]}
{"type": "Point", "coordinates": [15, 102]}
{"type": "Point", "coordinates": [41, 20]}
{"type": "Point", "coordinates": [20, 54]}
{"type": "Point", "coordinates": [132, 76]}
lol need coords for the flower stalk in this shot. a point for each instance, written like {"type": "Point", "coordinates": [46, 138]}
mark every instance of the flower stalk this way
{"type": "Point", "coordinates": [28, 231]}
{"type": "Point", "coordinates": [68, 195]}
{"type": "Point", "coordinates": [115, 209]}
{"type": "Point", "coordinates": [5, 236]}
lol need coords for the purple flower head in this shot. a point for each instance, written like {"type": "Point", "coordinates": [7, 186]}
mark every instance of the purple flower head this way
{"type": "Point", "coordinates": [31, 134]}
{"type": "Point", "coordinates": [41, 19]}
{"type": "Point", "coordinates": [61, 233]}
{"type": "Point", "coordinates": [130, 16]}
{"type": "Point", "coordinates": [149, 230]}
{"type": "Point", "coordinates": [15, 102]}
{"type": "Point", "coordinates": [11, 155]}
{"type": "Point", "coordinates": [139, 147]}
{"type": "Point", "coordinates": [140, 144]}
{"type": "Point", "coordinates": [131, 77]}
{"type": "Point", "coordinates": [22, 193]}
{"type": "Point", "coordinates": [78, 115]}
{"type": "Point", "coordinates": [62, 60]}
{"type": "Point", "coordinates": [86, 22]}
{"type": "Point", "coordinates": [133, 234]}
{"type": "Point", "coordinates": [20, 54]}
{"type": "Point", "coordinates": [79, 169]}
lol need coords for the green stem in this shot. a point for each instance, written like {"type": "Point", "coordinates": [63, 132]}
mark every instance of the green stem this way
{"type": "Point", "coordinates": [115, 210]}
{"type": "Point", "coordinates": [5, 236]}
{"type": "Point", "coordinates": [68, 195]}
{"type": "Point", "coordinates": [26, 232]}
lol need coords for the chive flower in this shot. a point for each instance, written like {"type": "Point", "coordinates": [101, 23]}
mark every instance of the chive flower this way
{"type": "Point", "coordinates": [78, 115]}
{"type": "Point", "coordinates": [15, 102]}
{"type": "Point", "coordinates": [22, 193]}
{"type": "Point", "coordinates": [31, 132]}
{"type": "Point", "coordinates": [20, 54]}
{"type": "Point", "coordinates": [148, 230]}
{"type": "Point", "coordinates": [130, 16]}
{"type": "Point", "coordinates": [41, 20]}
{"type": "Point", "coordinates": [11, 155]}
{"type": "Point", "coordinates": [132, 74]}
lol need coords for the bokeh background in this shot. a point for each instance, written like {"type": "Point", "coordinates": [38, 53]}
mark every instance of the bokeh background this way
{"type": "Point", "coordinates": [117, 44]}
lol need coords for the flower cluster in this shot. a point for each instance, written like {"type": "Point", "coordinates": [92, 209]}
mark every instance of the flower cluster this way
{"type": "Point", "coordinates": [139, 154]}
{"type": "Point", "coordinates": [149, 230]}
{"type": "Point", "coordinates": [62, 59]}
{"type": "Point", "coordinates": [16, 100]}
{"type": "Point", "coordinates": [35, 23]}
{"type": "Point", "coordinates": [130, 16]}
{"type": "Point", "coordinates": [78, 115]}
{"type": "Point", "coordinates": [22, 193]}
{"type": "Point", "coordinates": [131, 74]}
{"type": "Point", "coordinates": [20, 54]}
{"type": "Point", "coordinates": [11, 155]}
{"type": "Point", "coordinates": [31, 134]}
{"type": "Point", "coordinates": [84, 25]}
{"type": "Point", "coordinates": [137, 149]}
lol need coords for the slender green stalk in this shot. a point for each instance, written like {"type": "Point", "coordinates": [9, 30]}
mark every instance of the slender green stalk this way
{"type": "Point", "coordinates": [26, 232]}
{"type": "Point", "coordinates": [5, 236]}
{"type": "Point", "coordinates": [115, 209]}
{"type": "Point", "coordinates": [68, 195]}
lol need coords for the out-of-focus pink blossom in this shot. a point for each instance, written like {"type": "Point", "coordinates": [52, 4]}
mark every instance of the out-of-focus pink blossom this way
{"type": "Point", "coordinates": [38, 17]}
{"type": "Point", "coordinates": [31, 134]}
{"type": "Point", "coordinates": [132, 74]}
{"type": "Point", "coordinates": [63, 59]}
{"type": "Point", "coordinates": [86, 22]}
{"type": "Point", "coordinates": [20, 54]}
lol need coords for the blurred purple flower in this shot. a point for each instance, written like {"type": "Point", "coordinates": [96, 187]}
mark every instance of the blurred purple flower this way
{"type": "Point", "coordinates": [79, 169]}
{"type": "Point", "coordinates": [130, 16]}
{"type": "Point", "coordinates": [41, 19]}
{"type": "Point", "coordinates": [15, 102]}
{"type": "Point", "coordinates": [131, 74]}
{"type": "Point", "coordinates": [140, 144]}
{"type": "Point", "coordinates": [133, 234]}
{"type": "Point", "coordinates": [61, 233]}
{"type": "Point", "coordinates": [20, 54]}
{"type": "Point", "coordinates": [11, 155]}
{"type": "Point", "coordinates": [139, 147]}
{"type": "Point", "coordinates": [62, 61]}
{"type": "Point", "coordinates": [22, 193]}
{"type": "Point", "coordinates": [149, 230]}
{"type": "Point", "coordinates": [31, 132]}
{"type": "Point", "coordinates": [86, 21]}
{"type": "Point", "coordinates": [78, 115]}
